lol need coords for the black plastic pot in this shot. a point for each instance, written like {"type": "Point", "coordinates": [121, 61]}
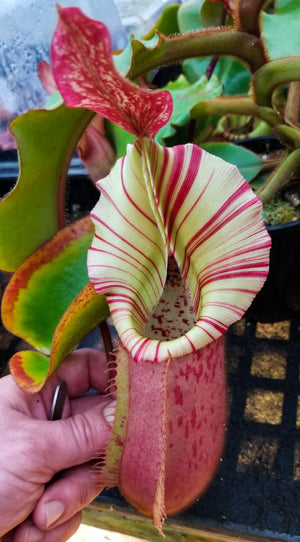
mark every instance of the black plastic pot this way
{"type": "Point", "coordinates": [279, 299]}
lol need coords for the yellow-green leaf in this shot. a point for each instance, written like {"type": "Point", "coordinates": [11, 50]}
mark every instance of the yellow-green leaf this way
{"type": "Point", "coordinates": [29, 214]}
{"type": "Point", "coordinates": [86, 311]}
{"type": "Point", "coordinates": [43, 287]}
{"type": "Point", "coordinates": [31, 369]}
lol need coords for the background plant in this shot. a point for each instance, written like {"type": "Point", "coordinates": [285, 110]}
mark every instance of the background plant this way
{"type": "Point", "coordinates": [248, 63]}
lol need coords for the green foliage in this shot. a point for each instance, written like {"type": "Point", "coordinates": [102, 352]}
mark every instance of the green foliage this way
{"type": "Point", "coordinates": [249, 163]}
{"type": "Point", "coordinates": [196, 15]}
{"type": "Point", "coordinates": [46, 283]}
{"type": "Point", "coordinates": [281, 29]}
{"type": "Point", "coordinates": [30, 214]}
{"type": "Point", "coordinates": [167, 24]}
{"type": "Point", "coordinates": [124, 60]}
{"type": "Point", "coordinates": [185, 96]}
{"type": "Point", "coordinates": [211, 14]}
{"type": "Point", "coordinates": [51, 290]}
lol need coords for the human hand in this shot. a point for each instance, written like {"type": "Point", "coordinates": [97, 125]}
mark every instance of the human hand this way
{"type": "Point", "coordinates": [33, 450]}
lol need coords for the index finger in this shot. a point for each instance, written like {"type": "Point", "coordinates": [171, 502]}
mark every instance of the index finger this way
{"type": "Point", "coordinates": [84, 369]}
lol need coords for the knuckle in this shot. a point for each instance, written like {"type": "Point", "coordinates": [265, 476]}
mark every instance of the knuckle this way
{"type": "Point", "coordinates": [82, 431]}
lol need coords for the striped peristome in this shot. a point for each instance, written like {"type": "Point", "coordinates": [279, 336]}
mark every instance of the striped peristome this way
{"type": "Point", "coordinates": [212, 226]}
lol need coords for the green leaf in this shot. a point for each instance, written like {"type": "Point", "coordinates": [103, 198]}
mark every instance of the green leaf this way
{"type": "Point", "coordinates": [281, 30]}
{"type": "Point", "coordinates": [31, 369]}
{"type": "Point", "coordinates": [211, 13]}
{"type": "Point", "coordinates": [196, 15]}
{"type": "Point", "coordinates": [125, 60]}
{"type": "Point", "coordinates": [43, 287]}
{"type": "Point", "coordinates": [29, 214]}
{"type": "Point", "coordinates": [189, 21]}
{"type": "Point", "coordinates": [248, 163]}
{"type": "Point", "coordinates": [189, 16]}
{"type": "Point", "coordinates": [167, 24]}
{"type": "Point", "coordinates": [233, 75]}
{"type": "Point", "coordinates": [85, 312]}
{"type": "Point", "coordinates": [195, 68]}
{"type": "Point", "coordinates": [118, 137]}
{"type": "Point", "coordinates": [54, 100]}
{"type": "Point", "coordinates": [185, 96]}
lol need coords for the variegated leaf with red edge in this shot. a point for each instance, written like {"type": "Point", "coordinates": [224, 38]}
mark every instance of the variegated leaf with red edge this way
{"type": "Point", "coordinates": [50, 303]}
{"type": "Point", "coordinates": [31, 369]}
{"type": "Point", "coordinates": [44, 285]}
{"type": "Point", "coordinates": [81, 56]}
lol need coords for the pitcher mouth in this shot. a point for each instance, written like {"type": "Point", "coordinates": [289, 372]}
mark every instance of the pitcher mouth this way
{"type": "Point", "coordinates": [174, 313]}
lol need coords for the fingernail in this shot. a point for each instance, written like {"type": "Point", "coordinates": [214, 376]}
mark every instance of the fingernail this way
{"type": "Point", "coordinates": [54, 510]}
{"type": "Point", "coordinates": [109, 412]}
{"type": "Point", "coordinates": [33, 534]}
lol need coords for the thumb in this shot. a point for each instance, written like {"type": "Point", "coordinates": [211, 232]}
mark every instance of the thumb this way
{"type": "Point", "coordinates": [80, 438]}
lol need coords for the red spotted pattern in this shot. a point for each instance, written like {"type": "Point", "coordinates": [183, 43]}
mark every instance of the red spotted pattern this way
{"type": "Point", "coordinates": [167, 459]}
